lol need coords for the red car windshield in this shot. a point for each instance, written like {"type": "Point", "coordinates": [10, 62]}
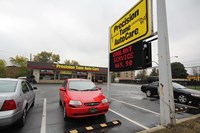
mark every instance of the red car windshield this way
{"type": "Point", "coordinates": [82, 85]}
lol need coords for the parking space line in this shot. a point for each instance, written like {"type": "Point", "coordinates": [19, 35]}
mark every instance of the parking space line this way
{"type": "Point", "coordinates": [157, 114]}
{"type": "Point", "coordinates": [43, 124]}
{"type": "Point", "coordinates": [132, 121]}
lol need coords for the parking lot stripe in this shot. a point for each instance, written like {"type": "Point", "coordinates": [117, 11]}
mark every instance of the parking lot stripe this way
{"type": "Point", "coordinates": [43, 124]}
{"type": "Point", "coordinates": [136, 123]}
{"type": "Point", "coordinates": [157, 114]}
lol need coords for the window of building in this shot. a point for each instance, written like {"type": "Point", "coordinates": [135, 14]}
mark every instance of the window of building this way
{"type": "Point", "coordinates": [46, 75]}
{"type": "Point", "coordinates": [127, 74]}
{"type": "Point", "coordinates": [118, 74]}
{"type": "Point", "coordinates": [65, 75]}
{"type": "Point", "coordinates": [131, 74]}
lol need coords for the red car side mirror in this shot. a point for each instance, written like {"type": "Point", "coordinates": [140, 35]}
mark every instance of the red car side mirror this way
{"type": "Point", "coordinates": [62, 89]}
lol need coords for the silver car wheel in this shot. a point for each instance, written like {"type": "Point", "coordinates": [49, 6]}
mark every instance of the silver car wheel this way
{"type": "Point", "coordinates": [22, 120]}
{"type": "Point", "coordinates": [148, 93]}
{"type": "Point", "coordinates": [182, 99]}
{"type": "Point", "coordinates": [24, 116]}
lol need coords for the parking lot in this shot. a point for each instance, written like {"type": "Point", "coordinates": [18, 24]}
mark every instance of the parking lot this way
{"type": "Point", "coordinates": [128, 104]}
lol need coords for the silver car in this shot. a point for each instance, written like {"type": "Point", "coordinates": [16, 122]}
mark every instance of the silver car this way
{"type": "Point", "coordinates": [16, 98]}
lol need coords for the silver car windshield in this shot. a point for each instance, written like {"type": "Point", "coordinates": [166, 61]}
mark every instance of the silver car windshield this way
{"type": "Point", "coordinates": [82, 85]}
{"type": "Point", "coordinates": [178, 86]}
{"type": "Point", "coordinates": [7, 86]}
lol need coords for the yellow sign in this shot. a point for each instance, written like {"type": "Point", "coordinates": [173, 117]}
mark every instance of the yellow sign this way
{"type": "Point", "coordinates": [83, 68]}
{"type": "Point", "coordinates": [134, 26]}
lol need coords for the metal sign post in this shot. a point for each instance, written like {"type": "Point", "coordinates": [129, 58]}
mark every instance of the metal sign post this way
{"type": "Point", "coordinates": [167, 110]}
{"type": "Point", "coordinates": [109, 75]}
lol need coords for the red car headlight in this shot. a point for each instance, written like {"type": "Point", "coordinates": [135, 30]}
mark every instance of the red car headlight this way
{"type": "Point", "coordinates": [74, 103]}
{"type": "Point", "coordinates": [104, 101]}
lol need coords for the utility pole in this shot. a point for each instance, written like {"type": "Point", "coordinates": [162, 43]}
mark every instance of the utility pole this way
{"type": "Point", "coordinates": [30, 56]}
{"type": "Point", "coordinates": [167, 110]}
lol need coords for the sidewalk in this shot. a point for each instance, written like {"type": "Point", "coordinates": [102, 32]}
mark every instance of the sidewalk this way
{"type": "Point", "coordinates": [186, 125]}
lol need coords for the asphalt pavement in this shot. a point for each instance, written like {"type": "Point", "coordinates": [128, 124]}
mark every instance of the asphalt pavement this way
{"type": "Point", "coordinates": [128, 104]}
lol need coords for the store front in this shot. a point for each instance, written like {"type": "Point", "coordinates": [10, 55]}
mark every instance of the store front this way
{"type": "Point", "coordinates": [56, 73]}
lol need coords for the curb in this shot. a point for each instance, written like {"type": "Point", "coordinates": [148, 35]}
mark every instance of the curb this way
{"type": "Point", "coordinates": [151, 130]}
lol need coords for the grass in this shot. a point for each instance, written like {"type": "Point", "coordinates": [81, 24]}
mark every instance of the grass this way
{"type": "Point", "coordinates": [194, 87]}
{"type": "Point", "coordinates": [190, 126]}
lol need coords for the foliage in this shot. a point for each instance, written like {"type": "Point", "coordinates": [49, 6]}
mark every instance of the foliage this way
{"type": "Point", "coordinates": [21, 72]}
{"type": "Point", "coordinates": [2, 68]}
{"type": "Point", "coordinates": [142, 75]}
{"type": "Point", "coordinates": [113, 76]}
{"type": "Point", "coordinates": [19, 61]}
{"type": "Point", "coordinates": [47, 57]}
{"type": "Point", "coordinates": [178, 70]}
{"type": "Point", "coordinates": [71, 62]}
{"type": "Point", "coordinates": [154, 72]}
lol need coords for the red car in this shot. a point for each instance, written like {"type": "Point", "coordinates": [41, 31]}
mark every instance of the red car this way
{"type": "Point", "coordinates": [82, 98]}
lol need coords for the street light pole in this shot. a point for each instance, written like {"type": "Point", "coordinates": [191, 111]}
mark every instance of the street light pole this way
{"type": "Point", "coordinates": [167, 110]}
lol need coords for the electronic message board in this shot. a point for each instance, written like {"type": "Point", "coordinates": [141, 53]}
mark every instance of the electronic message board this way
{"type": "Point", "coordinates": [133, 57]}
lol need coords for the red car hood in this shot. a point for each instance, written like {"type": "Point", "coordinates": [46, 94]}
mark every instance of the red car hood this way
{"type": "Point", "coordinates": [86, 96]}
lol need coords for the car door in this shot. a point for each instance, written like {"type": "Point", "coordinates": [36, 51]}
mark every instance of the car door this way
{"type": "Point", "coordinates": [31, 92]}
{"type": "Point", "coordinates": [63, 93]}
{"type": "Point", "coordinates": [26, 93]}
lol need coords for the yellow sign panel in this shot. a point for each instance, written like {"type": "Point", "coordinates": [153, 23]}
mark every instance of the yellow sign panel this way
{"type": "Point", "coordinates": [134, 26]}
{"type": "Point", "coordinates": [83, 68]}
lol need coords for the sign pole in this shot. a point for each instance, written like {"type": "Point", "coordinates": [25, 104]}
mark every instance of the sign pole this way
{"type": "Point", "coordinates": [167, 110]}
{"type": "Point", "coordinates": [109, 76]}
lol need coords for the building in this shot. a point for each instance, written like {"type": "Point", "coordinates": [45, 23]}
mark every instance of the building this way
{"type": "Point", "coordinates": [56, 73]}
{"type": "Point", "coordinates": [125, 75]}
{"type": "Point", "coordinates": [11, 71]}
{"type": "Point", "coordinates": [193, 78]}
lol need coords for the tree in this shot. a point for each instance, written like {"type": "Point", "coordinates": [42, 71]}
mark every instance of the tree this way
{"type": "Point", "coordinates": [72, 62]}
{"type": "Point", "coordinates": [19, 61]}
{"type": "Point", "coordinates": [47, 57]}
{"type": "Point", "coordinates": [154, 72]}
{"type": "Point", "coordinates": [2, 68]}
{"type": "Point", "coordinates": [178, 70]}
{"type": "Point", "coordinates": [142, 75]}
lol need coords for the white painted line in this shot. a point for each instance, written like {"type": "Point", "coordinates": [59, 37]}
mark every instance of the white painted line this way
{"type": "Point", "coordinates": [136, 123]}
{"type": "Point", "coordinates": [43, 124]}
{"type": "Point", "coordinates": [157, 114]}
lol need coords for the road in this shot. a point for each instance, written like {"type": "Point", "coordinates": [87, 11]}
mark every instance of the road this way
{"type": "Point", "coordinates": [128, 104]}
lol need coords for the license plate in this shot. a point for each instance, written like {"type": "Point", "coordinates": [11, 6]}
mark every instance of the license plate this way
{"type": "Point", "coordinates": [93, 110]}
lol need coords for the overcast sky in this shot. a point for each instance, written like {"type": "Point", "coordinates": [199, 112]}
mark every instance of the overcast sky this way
{"type": "Point", "coordinates": [78, 29]}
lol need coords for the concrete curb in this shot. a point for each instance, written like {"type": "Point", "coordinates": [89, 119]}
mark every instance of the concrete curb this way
{"type": "Point", "coordinates": [151, 130]}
